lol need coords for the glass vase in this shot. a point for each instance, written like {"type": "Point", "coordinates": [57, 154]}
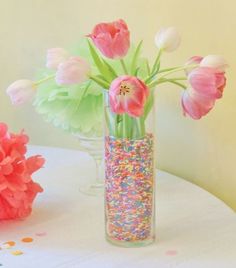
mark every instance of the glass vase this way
{"type": "Point", "coordinates": [130, 177]}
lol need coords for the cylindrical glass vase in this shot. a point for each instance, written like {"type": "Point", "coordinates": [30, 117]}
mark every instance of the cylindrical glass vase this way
{"type": "Point", "coordinates": [130, 177]}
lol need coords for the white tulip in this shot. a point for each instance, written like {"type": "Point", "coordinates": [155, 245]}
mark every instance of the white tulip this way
{"type": "Point", "coordinates": [168, 39]}
{"type": "Point", "coordinates": [21, 91]}
{"type": "Point", "coordinates": [214, 61]}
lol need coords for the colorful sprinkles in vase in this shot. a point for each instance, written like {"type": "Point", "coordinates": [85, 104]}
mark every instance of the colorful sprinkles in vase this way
{"type": "Point", "coordinates": [129, 188]}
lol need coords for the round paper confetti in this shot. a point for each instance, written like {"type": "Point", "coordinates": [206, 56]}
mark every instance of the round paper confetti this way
{"type": "Point", "coordinates": [5, 246]}
{"type": "Point", "coordinates": [17, 252]}
{"type": "Point", "coordinates": [27, 239]}
{"type": "Point", "coordinates": [10, 243]}
{"type": "Point", "coordinates": [171, 252]}
{"type": "Point", "coordinates": [41, 234]}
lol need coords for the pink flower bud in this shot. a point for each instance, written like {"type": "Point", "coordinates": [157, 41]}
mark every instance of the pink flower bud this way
{"type": "Point", "coordinates": [73, 71]}
{"type": "Point", "coordinates": [55, 56]}
{"type": "Point", "coordinates": [128, 94]}
{"type": "Point", "coordinates": [112, 39]}
{"type": "Point", "coordinates": [167, 39]}
{"type": "Point", "coordinates": [214, 61]}
{"type": "Point", "coordinates": [21, 91]}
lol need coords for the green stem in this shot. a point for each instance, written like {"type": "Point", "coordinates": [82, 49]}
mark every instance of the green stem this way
{"type": "Point", "coordinates": [169, 69]}
{"type": "Point", "coordinates": [156, 61]}
{"type": "Point", "coordinates": [44, 79]}
{"type": "Point", "coordinates": [178, 69]}
{"type": "Point", "coordinates": [123, 66]}
{"type": "Point", "coordinates": [172, 80]}
{"type": "Point", "coordinates": [99, 81]}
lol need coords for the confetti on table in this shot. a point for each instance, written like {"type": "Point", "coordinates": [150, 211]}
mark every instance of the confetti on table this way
{"type": "Point", "coordinates": [17, 252]}
{"type": "Point", "coordinates": [10, 243]}
{"type": "Point", "coordinates": [5, 246]}
{"type": "Point", "coordinates": [41, 234]}
{"type": "Point", "coordinates": [27, 239]}
{"type": "Point", "coordinates": [171, 252]}
{"type": "Point", "coordinates": [129, 188]}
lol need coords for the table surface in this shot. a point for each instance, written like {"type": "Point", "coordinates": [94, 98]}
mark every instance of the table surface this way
{"type": "Point", "coordinates": [194, 228]}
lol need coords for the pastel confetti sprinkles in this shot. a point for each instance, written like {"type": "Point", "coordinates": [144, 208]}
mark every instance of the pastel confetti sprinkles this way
{"type": "Point", "coordinates": [17, 252]}
{"type": "Point", "coordinates": [129, 188]}
{"type": "Point", "coordinates": [27, 239]}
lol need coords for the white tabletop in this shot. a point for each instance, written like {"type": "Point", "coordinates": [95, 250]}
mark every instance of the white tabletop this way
{"type": "Point", "coordinates": [194, 228]}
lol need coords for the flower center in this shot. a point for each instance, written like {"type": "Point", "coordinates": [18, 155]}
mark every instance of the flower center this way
{"type": "Point", "coordinates": [125, 89]}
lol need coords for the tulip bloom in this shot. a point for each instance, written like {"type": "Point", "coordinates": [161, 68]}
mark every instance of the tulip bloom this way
{"type": "Point", "coordinates": [21, 91]}
{"type": "Point", "coordinates": [73, 71]}
{"type": "Point", "coordinates": [167, 39]}
{"type": "Point", "coordinates": [112, 39]}
{"type": "Point", "coordinates": [128, 94]}
{"type": "Point", "coordinates": [196, 105]}
{"type": "Point", "coordinates": [55, 56]}
{"type": "Point", "coordinates": [207, 81]}
{"type": "Point", "coordinates": [192, 61]}
{"type": "Point", "coordinates": [214, 61]}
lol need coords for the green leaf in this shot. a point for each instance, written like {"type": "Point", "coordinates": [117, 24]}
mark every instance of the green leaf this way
{"type": "Point", "coordinates": [112, 71]}
{"type": "Point", "coordinates": [135, 58]}
{"type": "Point", "coordinates": [102, 66]}
{"type": "Point", "coordinates": [100, 82]}
{"type": "Point", "coordinates": [96, 58]}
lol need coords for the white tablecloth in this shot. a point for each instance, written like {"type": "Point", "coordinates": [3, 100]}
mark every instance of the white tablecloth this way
{"type": "Point", "coordinates": [194, 228]}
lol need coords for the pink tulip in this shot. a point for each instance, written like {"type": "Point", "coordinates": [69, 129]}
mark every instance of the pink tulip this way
{"type": "Point", "coordinates": [214, 61]}
{"type": "Point", "coordinates": [112, 39]}
{"type": "Point", "coordinates": [73, 71]}
{"type": "Point", "coordinates": [196, 105]}
{"type": "Point", "coordinates": [192, 61]}
{"type": "Point", "coordinates": [55, 56]}
{"type": "Point", "coordinates": [207, 81]}
{"type": "Point", "coordinates": [21, 91]}
{"type": "Point", "coordinates": [128, 94]}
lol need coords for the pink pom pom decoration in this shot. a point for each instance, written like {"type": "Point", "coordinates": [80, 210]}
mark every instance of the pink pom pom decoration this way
{"type": "Point", "coordinates": [17, 189]}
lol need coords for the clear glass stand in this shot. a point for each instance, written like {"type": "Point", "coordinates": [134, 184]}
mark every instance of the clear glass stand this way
{"type": "Point", "coordinates": [94, 147]}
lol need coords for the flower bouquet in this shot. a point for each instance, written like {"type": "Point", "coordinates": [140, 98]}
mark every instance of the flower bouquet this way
{"type": "Point", "coordinates": [116, 69]}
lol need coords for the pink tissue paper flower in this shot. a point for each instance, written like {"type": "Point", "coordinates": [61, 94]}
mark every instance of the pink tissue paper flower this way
{"type": "Point", "coordinates": [17, 189]}
{"type": "Point", "coordinates": [112, 39]}
{"type": "Point", "coordinates": [73, 71]}
{"type": "Point", "coordinates": [128, 94]}
{"type": "Point", "coordinates": [55, 56]}
{"type": "Point", "coordinates": [21, 91]}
